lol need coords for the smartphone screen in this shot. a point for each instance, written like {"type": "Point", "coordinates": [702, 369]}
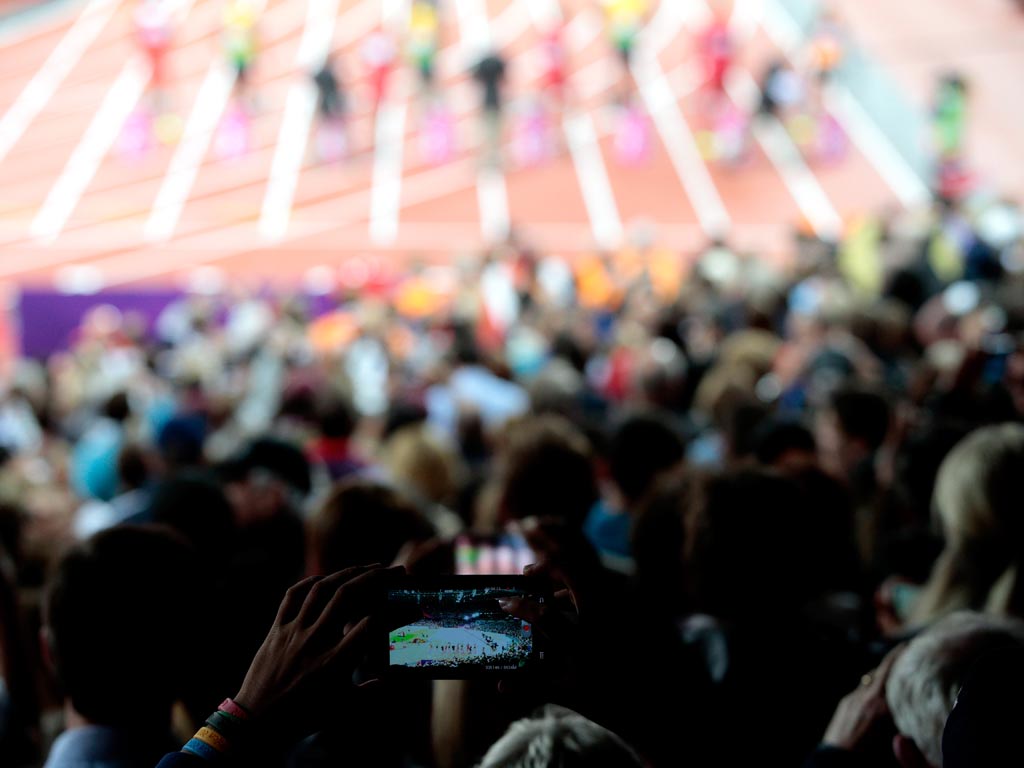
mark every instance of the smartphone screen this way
{"type": "Point", "coordinates": [461, 630]}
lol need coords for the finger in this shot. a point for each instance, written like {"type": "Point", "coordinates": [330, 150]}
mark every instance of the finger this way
{"type": "Point", "coordinates": [353, 641]}
{"type": "Point", "coordinates": [522, 608]}
{"type": "Point", "coordinates": [323, 591]}
{"type": "Point", "coordinates": [357, 597]}
{"type": "Point", "coordinates": [293, 600]}
{"type": "Point", "coordinates": [881, 674]}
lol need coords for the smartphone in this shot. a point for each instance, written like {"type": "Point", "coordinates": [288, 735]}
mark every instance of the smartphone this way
{"type": "Point", "coordinates": [502, 555]}
{"type": "Point", "coordinates": [456, 629]}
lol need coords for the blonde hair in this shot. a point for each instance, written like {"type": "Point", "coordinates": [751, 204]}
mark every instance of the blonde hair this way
{"type": "Point", "coordinates": [423, 464]}
{"type": "Point", "coordinates": [977, 505]}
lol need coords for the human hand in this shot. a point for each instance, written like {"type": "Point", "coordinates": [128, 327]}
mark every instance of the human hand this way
{"type": "Point", "coordinates": [863, 714]}
{"type": "Point", "coordinates": [308, 657]}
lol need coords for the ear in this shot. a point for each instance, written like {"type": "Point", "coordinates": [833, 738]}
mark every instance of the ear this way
{"type": "Point", "coordinates": [907, 753]}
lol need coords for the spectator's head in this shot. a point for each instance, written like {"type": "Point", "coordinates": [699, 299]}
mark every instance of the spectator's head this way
{"type": "Point", "coordinates": [545, 470]}
{"type": "Point", "coordinates": [194, 505]}
{"type": "Point", "coordinates": [420, 462]}
{"type": "Point", "coordinates": [644, 446]}
{"type": "Point", "coordinates": [336, 417]}
{"type": "Point", "coordinates": [133, 467]}
{"type": "Point", "coordinates": [180, 441]}
{"type": "Point", "coordinates": [983, 730]}
{"type": "Point", "coordinates": [362, 523]}
{"type": "Point", "coordinates": [269, 478]}
{"type": "Point", "coordinates": [926, 678]}
{"type": "Point", "coordinates": [850, 429]}
{"type": "Point", "coordinates": [782, 444]}
{"type": "Point", "coordinates": [559, 738]}
{"type": "Point", "coordinates": [977, 503]}
{"type": "Point", "coordinates": [117, 626]}
{"type": "Point", "coordinates": [657, 544]}
{"type": "Point", "coordinates": [749, 552]}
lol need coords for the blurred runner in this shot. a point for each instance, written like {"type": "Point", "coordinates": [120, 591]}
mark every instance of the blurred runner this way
{"type": "Point", "coordinates": [825, 51]}
{"type": "Point", "coordinates": [625, 20]}
{"type": "Point", "coordinates": [949, 118]}
{"type": "Point", "coordinates": [153, 32]}
{"type": "Point", "coordinates": [490, 74]}
{"type": "Point", "coordinates": [332, 108]}
{"type": "Point", "coordinates": [378, 54]}
{"type": "Point", "coordinates": [717, 51]}
{"type": "Point", "coordinates": [424, 36]}
{"type": "Point", "coordinates": [240, 45]}
{"type": "Point", "coordinates": [555, 75]}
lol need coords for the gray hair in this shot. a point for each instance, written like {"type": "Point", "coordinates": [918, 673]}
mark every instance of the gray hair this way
{"type": "Point", "coordinates": [926, 678]}
{"type": "Point", "coordinates": [559, 738]}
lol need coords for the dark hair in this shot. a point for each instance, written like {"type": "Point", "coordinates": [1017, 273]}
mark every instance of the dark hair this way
{"type": "Point", "coordinates": [117, 407]}
{"type": "Point", "coordinates": [746, 537]}
{"type": "Point", "coordinates": [862, 414]}
{"type": "Point", "coordinates": [283, 460]}
{"type": "Point", "coordinates": [775, 438]}
{"type": "Point", "coordinates": [361, 523]}
{"type": "Point", "coordinates": [132, 467]}
{"type": "Point", "coordinates": [335, 416]}
{"type": "Point", "coordinates": [644, 445]}
{"type": "Point", "coordinates": [194, 505]}
{"type": "Point", "coordinates": [546, 471]}
{"type": "Point", "coordinates": [119, 625]}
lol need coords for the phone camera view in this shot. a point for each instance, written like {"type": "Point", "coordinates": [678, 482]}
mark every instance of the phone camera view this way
{"type": "Point", "coordinates": [461, 630]}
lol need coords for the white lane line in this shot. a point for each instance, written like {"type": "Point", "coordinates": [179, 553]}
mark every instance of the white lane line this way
{"type": "Point", "coordinates": [872, 142]}
{"type": "Point", "coordinates": [299, 108]}
{"type": "Point", "coordinates": [595, 185]}
{"type": "Point", "coordinates": [474, 27]}
{"type": "Point", "coordinates": [85, 160]}
{"type": "Point", "coordinates": [544, 14]}
{"type": "Point", "coordinates": [394, 15]}
{"type": "Point", "coordinates": [492, 197]}
{"type": "Point", "coordinates": [746, 18]}
{"type": "Point", "coordinates": [773, 137]}
{"type": "Point", "coordinates": [181, 174]}
{"type": "Point", "coordinates": [682, 148]}
{"type": "Point", "coordinates": [386, 190]}
{"type": "Point", "coordinates": [902, 179]}
{"type": "Point", "coordinates": [103, 130]}
{"type": "Point", "coordinates": [275, 213]}
{"type": "Point", "coordinates": [40, 89]}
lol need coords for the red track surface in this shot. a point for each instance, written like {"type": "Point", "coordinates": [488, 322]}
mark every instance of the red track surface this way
{"type": "Point", "coordinates": [439, 213]}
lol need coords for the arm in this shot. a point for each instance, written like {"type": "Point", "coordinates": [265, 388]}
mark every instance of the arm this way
{"type": "Point", "coordinates": [301, 672]}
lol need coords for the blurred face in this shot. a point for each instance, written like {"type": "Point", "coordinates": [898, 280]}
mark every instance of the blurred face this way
{"type": "Point", "coordinates": [829, 438]}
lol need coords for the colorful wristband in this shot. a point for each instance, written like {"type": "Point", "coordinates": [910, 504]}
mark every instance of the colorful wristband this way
{"type": "Point", "coordinates": [233, 708]}
{"type": "Point", "coordinates": [213, 738]}
{"type": "Point", "coordinates": [201, 749]}
{"type": "Point", "coordinates": [227, 726]}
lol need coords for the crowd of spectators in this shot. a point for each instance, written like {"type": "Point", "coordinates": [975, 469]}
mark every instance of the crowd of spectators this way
{"type": "Point", "coordinates": [782, 503]}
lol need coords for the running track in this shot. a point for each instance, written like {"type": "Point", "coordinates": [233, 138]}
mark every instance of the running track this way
{"type": "Point", "coordinates": [76, 214]}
